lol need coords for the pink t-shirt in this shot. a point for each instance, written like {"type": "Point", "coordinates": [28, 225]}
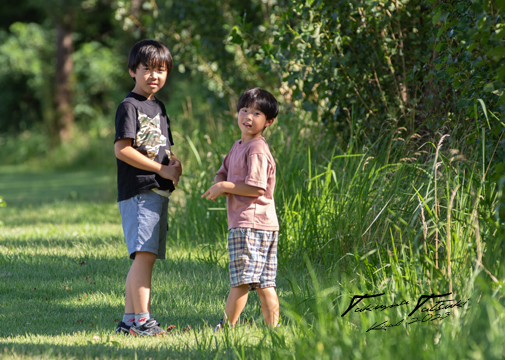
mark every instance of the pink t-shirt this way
{"type": "Point", "coordinates": [253, 164]}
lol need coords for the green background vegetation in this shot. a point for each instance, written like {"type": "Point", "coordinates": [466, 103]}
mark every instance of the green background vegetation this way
{"type": "Point", "coordinates": [390, 174]}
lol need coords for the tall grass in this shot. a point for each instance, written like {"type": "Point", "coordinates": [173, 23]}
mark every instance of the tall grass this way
{"type": "Point", "coordinates": [333, 202]}
{"type": "Point", "coordinates": [400, 216]}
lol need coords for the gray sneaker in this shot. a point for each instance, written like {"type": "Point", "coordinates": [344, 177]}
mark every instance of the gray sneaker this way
{"type": "Point", "coordinates": [150, 328]}
{"type": "Point", "coordinates": [123, 328]}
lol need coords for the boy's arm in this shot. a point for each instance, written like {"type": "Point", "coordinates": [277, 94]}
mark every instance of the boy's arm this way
{"type": "Point", "coordinates": [228, 187]}
{"type": "Point", "coordinates": [125, 152]}
{"type": "Point", "coordinates": [240, 188]}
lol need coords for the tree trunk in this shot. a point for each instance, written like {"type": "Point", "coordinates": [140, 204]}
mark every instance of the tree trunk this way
{"type": "Point", "coordinates": [135, 8]}
{"type": "Point", "coordinates": [64, 65]}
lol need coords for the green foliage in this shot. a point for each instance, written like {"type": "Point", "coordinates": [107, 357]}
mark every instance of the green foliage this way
{"type": "Point", "coordinates": [28, 64]}
{"type": "Point", "coordinates": [92, 148]}
{"type": "Point", "coordinates": [342, 57]}
{"type": "Point", "coordinates": [366, 67]}
{"type": "Point", "coordinates": [25, 57]}
{"type": "Point", "coordinates": [12, 11]}
{"type": "Point", "coordinates": [467, 41]}
{"type": "Point", "coordinates": [98, 71]}
{"type": "Point", "coordinates": [203, 38]}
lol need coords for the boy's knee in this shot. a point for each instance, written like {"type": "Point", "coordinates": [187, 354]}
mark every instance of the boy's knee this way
{"type": "Point", "coordinates": [145, 257]}
{"type": "Point", "coordinates": [267, 293]}
{"type": "Point", "coordinates": [265, 290]}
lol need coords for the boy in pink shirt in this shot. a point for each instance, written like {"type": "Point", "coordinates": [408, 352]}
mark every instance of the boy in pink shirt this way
{"type": "Point", "coordinates": [247, 179]}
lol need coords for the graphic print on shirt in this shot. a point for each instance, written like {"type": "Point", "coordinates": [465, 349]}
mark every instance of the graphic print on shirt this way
{"type": "Point", "coordinates": [149, 138]}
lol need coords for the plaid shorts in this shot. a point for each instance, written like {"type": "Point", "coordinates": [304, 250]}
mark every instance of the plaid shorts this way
{"type": "Point", "coordinates": [253, 257]}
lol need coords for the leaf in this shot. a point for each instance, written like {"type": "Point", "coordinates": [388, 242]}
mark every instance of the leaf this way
{"type": "Point", "coordinates": [500, 73]}
{"type": "Point", "coordinates": [436, 17]}
{"type": "Point", "coordinates": [500, 4]}
{"type": "Point", "coordinates": [489, 87]}
{"type": "Point", "coordinates": [500, 34]}
{"type": "Point", "coordinates": [496, 53]}
{"type": "Point", "coordinates": [186, 329]}
{"type": "Point", "coordinates": [483, 105]}
{"type": "Point", "coordinates": [235, 36]}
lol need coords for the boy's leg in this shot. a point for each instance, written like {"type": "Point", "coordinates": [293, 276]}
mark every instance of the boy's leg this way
{"type": "Point", "coordinates": [236, 302]}
{"type": "Point", "coordinates": [138, 283]}
{"type": "Point", "coordinates": [145, 227]}
{"type": "Point", "coordinates": [269, 305]}
{"type": "Point", "coordinates": [266, 290]}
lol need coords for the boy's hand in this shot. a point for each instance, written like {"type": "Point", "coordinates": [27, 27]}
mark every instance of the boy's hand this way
{"type": "Point", "coordinates": [176, 163]}
{"type": "Point", "coordinates": [131, 156]}
{"type": "Point", "coordinates": [170, 172]}
{"type": "Point", "coordinates": [215, 191]}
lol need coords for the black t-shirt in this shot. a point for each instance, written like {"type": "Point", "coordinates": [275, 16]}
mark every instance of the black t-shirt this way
{"type": "Point", "coordinates": [147, 124]}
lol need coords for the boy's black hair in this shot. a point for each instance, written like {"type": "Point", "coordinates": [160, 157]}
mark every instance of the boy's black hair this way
{"type": "Point", "coordinates": [150, 53]}
{"type": "Point", "coordinates": [260, 99]}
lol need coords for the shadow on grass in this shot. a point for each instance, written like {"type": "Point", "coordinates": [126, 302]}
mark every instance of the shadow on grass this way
{"type": "Point", "coordinates": [20, 186]}
{"type": "Point", "coordinates": [61, 213]}
{"type": "Point", "coordinates": [63, 294]}
{"type": "Point", "coordinates": [58, 294]}
{"type": "Point", "coordinates": [108, 350]}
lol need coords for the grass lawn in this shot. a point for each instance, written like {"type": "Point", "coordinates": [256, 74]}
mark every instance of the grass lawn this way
{"type": "Point", "coordinates": [63, 263]}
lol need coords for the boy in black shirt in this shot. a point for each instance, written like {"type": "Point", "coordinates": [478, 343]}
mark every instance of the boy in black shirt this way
{"type": "Point", "coordinates": [147, 174]}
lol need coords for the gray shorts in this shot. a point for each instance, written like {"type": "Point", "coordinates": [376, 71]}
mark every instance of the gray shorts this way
{"type": "Point", "coordinates": [144, 219]}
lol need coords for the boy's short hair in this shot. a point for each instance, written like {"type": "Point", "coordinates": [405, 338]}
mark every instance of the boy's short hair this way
{"type": "Point", "coordinates": [260, 99]}
{"type": "Point", "coordinates": [150, 53]}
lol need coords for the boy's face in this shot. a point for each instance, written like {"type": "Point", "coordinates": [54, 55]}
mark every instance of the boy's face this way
{"type": "Point", "coordinates": [148, 80]}
{"type": "Point", "coordinates": [252, 122]}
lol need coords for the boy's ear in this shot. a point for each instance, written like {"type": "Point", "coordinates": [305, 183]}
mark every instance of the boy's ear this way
{"type": "Point", "coordinates": [269, 122]}
{"type": "Point", "coordinates": [132, 74]}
